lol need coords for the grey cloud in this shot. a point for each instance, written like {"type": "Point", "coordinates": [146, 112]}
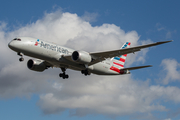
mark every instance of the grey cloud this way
{"type": "Point", "coordinates": [17, 80]}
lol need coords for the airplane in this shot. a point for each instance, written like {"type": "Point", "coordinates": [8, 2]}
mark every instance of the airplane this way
{"type": "Point", "coordinates": [49, 54]}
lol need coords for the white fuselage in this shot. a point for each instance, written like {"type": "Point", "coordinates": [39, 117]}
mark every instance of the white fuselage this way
{"type": "Point", "coordinates": [53, 54]}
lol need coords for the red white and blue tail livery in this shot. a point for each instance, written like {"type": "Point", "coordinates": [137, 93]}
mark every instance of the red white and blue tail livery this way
{"type": "Point", "coordinates": [119, 61]}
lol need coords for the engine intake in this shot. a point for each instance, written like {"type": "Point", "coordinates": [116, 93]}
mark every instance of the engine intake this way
{"type": "Point", "coordinates": [36, 65]}
{"type": "Point", "coordinates": [81, 57]}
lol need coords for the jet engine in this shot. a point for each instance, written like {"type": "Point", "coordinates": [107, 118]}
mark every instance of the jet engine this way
{"type": "Point", "coordinates": [36, 65]}
{"type": "Point", "coordinates": [81, 57]}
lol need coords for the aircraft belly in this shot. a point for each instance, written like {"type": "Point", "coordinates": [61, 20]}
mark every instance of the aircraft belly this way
{"type": "Point", "coordinates": [70, 64]}
{"type": "Point", "coordinates": [103, 69]}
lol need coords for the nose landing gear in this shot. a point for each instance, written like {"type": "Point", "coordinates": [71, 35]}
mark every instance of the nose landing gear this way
{"type": "Point", "coordinates": [20, 54]}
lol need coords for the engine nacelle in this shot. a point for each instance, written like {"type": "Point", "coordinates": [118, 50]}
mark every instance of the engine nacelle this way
{"type": "Point", "coordinates": [81, 57]}
{"type": "Point", "coordinates": [36, 65]}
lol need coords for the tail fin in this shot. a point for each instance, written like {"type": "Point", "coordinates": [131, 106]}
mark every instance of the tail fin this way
{"type": "Point", "coordinates": [119, 61]}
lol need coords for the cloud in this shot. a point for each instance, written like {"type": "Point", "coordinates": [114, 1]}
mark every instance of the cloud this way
{"type": "Point", "coordinates": [170, 71]}
{"type": "Point", "coordinates": [144, 51]}
{"type": "Point", "coordinates": [108, 95]}
{"type": "Point", "coordinates": [89, 17]}
{"type": "Point", "coordinates": [160, 27]}
{"type": "Point", "coordinates": [168, 33]}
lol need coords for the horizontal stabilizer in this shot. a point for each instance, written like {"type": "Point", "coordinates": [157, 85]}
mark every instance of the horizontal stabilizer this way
{"type": "Point", "coordinates": [134, 68]}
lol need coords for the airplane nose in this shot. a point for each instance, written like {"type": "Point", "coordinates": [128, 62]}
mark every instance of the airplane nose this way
{"type": "Point", "coordinates": [10, 45]}
{"type": "Point", "coordinates": [15, 45]}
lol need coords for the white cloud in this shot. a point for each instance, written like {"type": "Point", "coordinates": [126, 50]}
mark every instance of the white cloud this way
{"type": "Point", "coordinates": [110, 95]}
{"type": "Point", "coordinates": [90, 17]}
{"type": "Point", "coordinates": [144, 51]}
{"type": "Point", "coordinates": [170, 70]}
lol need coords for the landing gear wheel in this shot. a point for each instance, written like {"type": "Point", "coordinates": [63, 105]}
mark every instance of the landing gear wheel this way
{"type": "Point", "coordinates": [85, 72]}
{"type": "Point", "coordinates": [60, 75]}
{"type": "Point", "coordinates": [21, 59]}
{"type": "Point", "coordinates": [63, 75]}
{"type": "Point", "coordinates": [20, 54]}
{"type": "Point", "coordinates": [66, 76]}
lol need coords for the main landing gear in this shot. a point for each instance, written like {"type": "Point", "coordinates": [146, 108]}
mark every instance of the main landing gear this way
{"type": "Point", "coordinates": [85, 72]}
{"type": "Point", "coordinates": [63, 75]}
{"type": "Point", "coordinates": [20, 54]}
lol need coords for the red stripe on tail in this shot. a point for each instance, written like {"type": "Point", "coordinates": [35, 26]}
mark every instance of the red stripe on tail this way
{"type": "Point", "coordinates": [122, 60]}
{"type": "Point", "coordinates": [115, 69]}
{"type": "Point", "coordinates": [125, 55]}
{"type": "Point", "coordinates": [118, 64]}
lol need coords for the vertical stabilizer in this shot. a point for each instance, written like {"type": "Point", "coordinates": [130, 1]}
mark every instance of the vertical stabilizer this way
{"type": "Point", "coordinates": [118, 61]}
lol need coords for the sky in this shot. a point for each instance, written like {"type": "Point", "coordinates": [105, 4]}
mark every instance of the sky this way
{"type": "Point", "coordinates": [101, 25]}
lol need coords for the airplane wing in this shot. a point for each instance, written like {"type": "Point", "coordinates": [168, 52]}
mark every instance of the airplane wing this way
{"type": "Point", "coordinates": [48, 64]}
{"type": "Point", "coordinates": [100, 56]}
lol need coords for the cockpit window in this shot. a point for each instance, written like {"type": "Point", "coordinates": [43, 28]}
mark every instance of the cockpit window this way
{"type": "Point", "coordinates": [17, 39]}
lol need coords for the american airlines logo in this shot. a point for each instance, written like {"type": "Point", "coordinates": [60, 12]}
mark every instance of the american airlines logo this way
{"type": "Point", "coordinates": [51, 47]}
{"type": "Point", "coordinates": [36, 44]}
